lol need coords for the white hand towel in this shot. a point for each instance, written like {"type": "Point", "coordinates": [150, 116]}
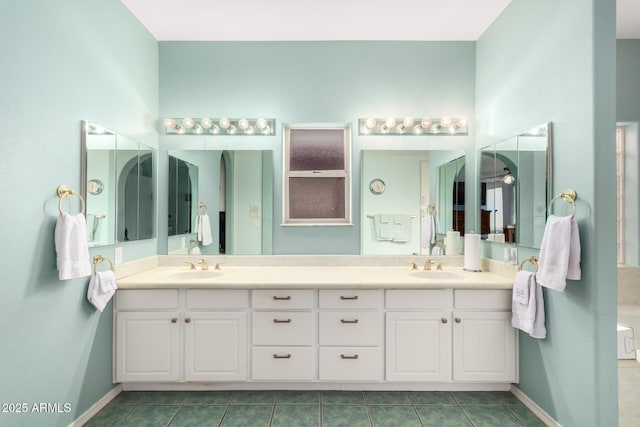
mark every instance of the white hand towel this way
{"type": "Point", "coordinates": [401, 228]}
{"type": "Point", "coordinates": [428, 230]}
{"type": "Point", "coordinates": [199, 227]}
{"type": "Point", "coordinates": [102, 286]}
{"type": "Point", "coordinates": [72, 248]}
{"type": "Point", "coordinates": [521, 289]}
{"type": "Point", "coordinates": [529, 317]}
{"type": "Point", "coordinates": [205, 224]}
{"type": "Point", "coordinates": [195, 251]}
{"type": "Point", "coordinates": [382, 229]}
{"type": "Point", "coordinates": [559, 253]}
{"type": "Point", "coordinates": [436, 250]}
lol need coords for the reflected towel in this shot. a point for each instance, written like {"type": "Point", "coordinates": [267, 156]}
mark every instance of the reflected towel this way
{"type": "Point", "coordinates": [204, 233]}
{"type": "Point", "coordinates": [401, 228]}
{"type": "Point", "coordinates": [559, 253]}
{"type": "Point", "coordinates": [428, 230]}
{"type": "Point", "coordinates": [72, 248]}
{"type": "Point", "coordinates": [529, 317]}
{"type": "Point", "coordinates": [102, 286]}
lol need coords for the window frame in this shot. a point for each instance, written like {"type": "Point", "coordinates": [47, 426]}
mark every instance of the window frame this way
{"type": "Point", "coordinates": [345, 173]}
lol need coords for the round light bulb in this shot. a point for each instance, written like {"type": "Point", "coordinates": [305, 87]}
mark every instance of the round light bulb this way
{"type": "Point", "coordinates": [266, 130]}
{"type": "Point", "coordinates": [249, 130]}
{"type": "Point", "coordinates": [452, 129]}
{"type": "Point", "coordinates": [435, 129]}
{"type": "Point", "coordinates": [243, 124]}
{"type": "Point", "coordinates": [197, 129]}
{"type": "Point", "coordinates": [408, 122]}
{"type": "Point", "coordinates": [170, 123]}
{"type": "Point", "coordinates": [463, 123]}
{"type": "Point", "coordinates": [206, 122]}
{"type": "Point", "coordinates": [445, 122]}
{"type": "Point", "coordinates": [370, 123]}
{"type": "Point", "coordinates": [261, 124]}
{"type": "Point", "coordinates": [384, 128]}
{"type": "Point", "coordinates": [400, 128]}
{"type": "Point", "coordinates": [188, 122]}
{"type": "Point", "coordinates": [425, 123]}
{"type": "Point", "coordinates": [224, 123]}
{"type": "Point", "coordinates": [417, 129]}
{"type": "Point", "coordinates": [390, 122]}
{"type": "Point", "coordinates": [180, 130]}
{"type": "Point", "coordinates": [214, 129]}
{"type": "Point", "coordinates": [231, 129]}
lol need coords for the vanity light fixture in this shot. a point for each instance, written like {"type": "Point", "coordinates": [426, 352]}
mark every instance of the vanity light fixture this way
{"type": "Point", "coordinates": [221, 126]}
{"type": "Point", "coordinates": [413, 126]}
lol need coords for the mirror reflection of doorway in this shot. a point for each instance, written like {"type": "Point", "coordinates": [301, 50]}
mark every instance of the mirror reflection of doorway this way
{"type": "Point", "coordinates": [222, 191]}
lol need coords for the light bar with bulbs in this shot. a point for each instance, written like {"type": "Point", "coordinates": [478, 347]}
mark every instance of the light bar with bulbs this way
{"type": "Point", "coordinates": [222, 126]}
{"type": "Point", "coordinates": [413, 126]}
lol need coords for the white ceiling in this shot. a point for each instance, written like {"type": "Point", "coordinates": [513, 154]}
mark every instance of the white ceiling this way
{"type": "Point", "coordinates": [290, 20]}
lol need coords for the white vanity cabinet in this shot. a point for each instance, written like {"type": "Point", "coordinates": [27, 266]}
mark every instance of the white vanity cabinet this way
{"type": "Point", "coordinates": [169, 335]}
{"type": "Point", "coordinates": [350, 335]}
{"type": "Point", "coordinates": [485, 345]}
{"type": "Point", "coordinates": [418, 335]}
{"type": "Point", "coordinates": [282, 335]}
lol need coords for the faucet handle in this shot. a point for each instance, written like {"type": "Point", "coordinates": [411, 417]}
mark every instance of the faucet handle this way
{"type": "Point", "coordinates": [218, 264]}
{"type": "Point", "coordinates": [191, 265]}
{"type": "Point", "coordinates": [439, 266]}
{"type": "Point", "coordinates": [414, 266]}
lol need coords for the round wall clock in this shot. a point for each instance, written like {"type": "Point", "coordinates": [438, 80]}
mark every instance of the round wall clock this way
{"type": "Point", "coordinates": [377, 186]}
{"type": "Point", "coordinates": [95, 186]}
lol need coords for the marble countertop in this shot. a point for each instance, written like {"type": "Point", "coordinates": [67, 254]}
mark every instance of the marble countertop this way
{"type": "Point", "coordinates": [316, 277]}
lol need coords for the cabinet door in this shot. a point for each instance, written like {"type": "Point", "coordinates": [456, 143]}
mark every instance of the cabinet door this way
{"type": "Point", "coordinates": [418, 346]}
{"type": "Point", "coordinates": [215, 346]}
{"type": "Point", "coordinates": [147, 346]}
{"type": "Point", "coordinates": [484, 347]}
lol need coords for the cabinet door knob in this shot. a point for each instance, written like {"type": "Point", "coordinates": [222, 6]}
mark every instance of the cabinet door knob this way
{"type": "Point", "coordinates": [457, 319]}
{"type": "Point", "coordinates": [187, 320]}
{"type": "Point", "coordinates": [343, 297]}
{"type": "Point", "coordinates": [282, 356]}
{"type": "Point", "coordinates": [348, 321]}
{"type": "Point", "coordinates": [277, 298]}
{"type": "Point", "coordinates": [444, 320]}
{"type": "Point", "coordinates": [281, 321]}
{"type": "Point", "coordinates": [174, 319]}
{"type": "Point", "coordinates": [344, 356]}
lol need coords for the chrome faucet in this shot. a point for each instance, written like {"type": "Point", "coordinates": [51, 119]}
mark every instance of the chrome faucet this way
{"type": "Point", "coordinates": [203, 264]}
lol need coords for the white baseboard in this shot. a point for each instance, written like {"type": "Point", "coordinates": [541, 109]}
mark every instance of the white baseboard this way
{"type": "Point", "coordinates": [96, 407]}
{"type": "Point", "coordinates": [533, 406]}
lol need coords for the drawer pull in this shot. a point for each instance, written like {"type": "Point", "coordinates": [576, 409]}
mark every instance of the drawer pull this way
{"type": "Point", "coordinates": [282, 356]}
{"type": "Point", "coordinates": [457, 319]}
{"type": "Point", "coordinates": [348, 321]}
{"type": "Point", "coordinates": [344, 356]}
{"type": "Point", "coordinates": [342, 297]}
{"type": "Point", "coordinates": [277, 298]}
{"type": "Point", "coordinates": [281, 321]}
{"type": "Point", "coordinates": [444, 320]}
{"type": "Point", "coordinates": [174, 319]}
{"type": "Point", "coordinates": [187, 320]}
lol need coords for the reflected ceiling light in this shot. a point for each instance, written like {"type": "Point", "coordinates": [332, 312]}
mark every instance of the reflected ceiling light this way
{"type": "Point", "coordinates": [508, 179]}
{"type": "Point", "coordinates": [407, 122]}
{"type": "Point", "coordinates": [195, 126]}
{"type": "Point", "coordinates": [390, 122]}
{"type": "Point", "coordinates": [370, 123]}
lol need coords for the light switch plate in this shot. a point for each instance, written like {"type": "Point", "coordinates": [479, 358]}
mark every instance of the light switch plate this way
{"type": "Point", "coordinates": [117, 254]}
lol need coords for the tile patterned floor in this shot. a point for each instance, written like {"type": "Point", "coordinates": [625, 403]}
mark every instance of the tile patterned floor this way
{"type": "Point", "coordinates": [314, 408]}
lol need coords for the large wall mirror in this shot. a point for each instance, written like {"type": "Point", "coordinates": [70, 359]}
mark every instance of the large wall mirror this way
{"type": "Point", "coordinates": [515, 187]}
{"type": "Point", "coordinates": [230, 190]}
{"type": "Point", "coordinates": [410, 199]}
{"type": "Point", "coordinates": [117, 186]}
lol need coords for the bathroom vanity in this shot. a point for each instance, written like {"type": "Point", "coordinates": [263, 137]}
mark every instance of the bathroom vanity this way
{"type": "Point", "coordinates": [314, 327]}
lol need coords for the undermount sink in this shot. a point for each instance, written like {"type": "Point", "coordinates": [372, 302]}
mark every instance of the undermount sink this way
{"type": "Point", "coordinates": [194, 274]}
{"type": "Point", "coordinates": [436, 274]}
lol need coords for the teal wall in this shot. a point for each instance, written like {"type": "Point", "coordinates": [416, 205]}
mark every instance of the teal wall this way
{"type": "Point", "coordinates": [560, 71]}
{"type": "Point", "coordinates": [317, 82]}
{"type": "Point", "coordinates": [63, 62]}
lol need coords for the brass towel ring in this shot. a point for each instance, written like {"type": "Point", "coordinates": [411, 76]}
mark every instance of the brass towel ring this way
{"type": "Point", "coordinates": [63, 192]}
{"type": "Point", "coordinates": [533, 260]}
{"type": "Point", "coordinates": [97, 260]}
{"type": "Point", "coordinates": [568, 196]}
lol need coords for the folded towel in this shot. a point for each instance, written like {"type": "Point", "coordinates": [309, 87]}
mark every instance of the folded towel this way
{"type": "Point", "coordinates": [205, 230]}
{"type": "Point", "coordinates": [521, 289]}
{"type": "Point", "coordinates": [529, 317]}
{"type": "Point", "coordinates": [381, 227]}
{"type": "Point", "coordinates": [401, 228]}
{"type": "Point", "coordinates": [102, 286]}
{"type": "Point", "coordinates": [559, 253]}
{"type": "Point", "coordinates": [72, 248]}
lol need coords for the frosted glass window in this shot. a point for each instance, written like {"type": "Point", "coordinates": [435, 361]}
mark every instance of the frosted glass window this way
{"type": "Point", "coordinates": [316, 198]}
{"type": "Point", "coordinates": [317, 180]}
{"type": "Point", "coordinates": [316, 149]}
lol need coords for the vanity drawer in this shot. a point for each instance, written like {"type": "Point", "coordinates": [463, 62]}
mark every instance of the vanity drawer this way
{"type": "Point", "coordinates": [422, 299]}
{"type": "Point", "coordinates": [483, 299]}
{"type": "Point", "coordinates": [146, 299]}
{"type": "Point", "coordinates": [282, 328]}
{"type": "Point", "coordinates": [350, 299]}
{"type": "Point", "coordinates": [282, 299]}
{"type": "Point", "coordinates": [282, 363]}
{"type": "Point", "coordinates": [350, 328]}
{"type": "Point", "coordinates": [216, 298]}
{"type": "Point", "coordinates": [350, 364]}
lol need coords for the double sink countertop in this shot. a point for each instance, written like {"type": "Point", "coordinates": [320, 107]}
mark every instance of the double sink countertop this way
{"type": "Point", "coordinates": [172, 272]}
